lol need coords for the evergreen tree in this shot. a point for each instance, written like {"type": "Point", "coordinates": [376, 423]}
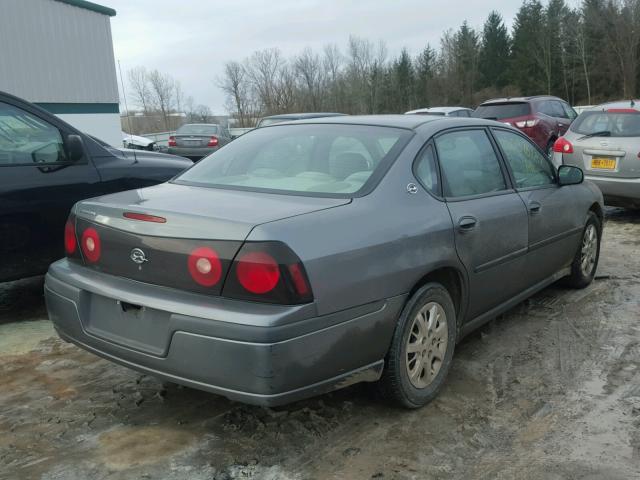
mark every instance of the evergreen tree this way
{"type": "Point", "coordinates": [526, 58]}
{"type": "Point", "coordinates": [494, 53]}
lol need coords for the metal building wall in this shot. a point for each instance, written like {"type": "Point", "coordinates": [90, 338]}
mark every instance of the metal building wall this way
{"type": "Point", "coordinates": [53, 52]}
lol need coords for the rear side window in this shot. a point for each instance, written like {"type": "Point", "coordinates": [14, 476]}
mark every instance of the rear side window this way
{"type": "Point", "coordinates": [530, 168]}
{"type": "Point", "coordinates": [498, 111]}
{"type": "Point", "coordinates": [612, 124]}
{"type": "Point", "coordinates": [469, 164]}
{"type": "Point", "coordinates": [426, 171]}
{"type": "Point", "coordinates": [26, 139]}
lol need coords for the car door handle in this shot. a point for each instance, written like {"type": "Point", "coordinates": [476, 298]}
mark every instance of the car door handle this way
{"type": "Point", "coordinates": [534, 207]}
{"type": "Point", "coordinates": [466, 224]}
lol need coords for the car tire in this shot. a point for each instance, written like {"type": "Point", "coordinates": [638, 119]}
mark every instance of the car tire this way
{"type": "Point", "coordinates": [585, 262]}
{"type": "Point", "coordinates": [427, 324]}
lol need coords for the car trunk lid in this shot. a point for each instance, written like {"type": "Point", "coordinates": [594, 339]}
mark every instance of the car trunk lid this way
{"type": "Point", "coordinates": [183, 219]}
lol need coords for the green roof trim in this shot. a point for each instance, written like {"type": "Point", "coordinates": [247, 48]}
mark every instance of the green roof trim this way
{"type": "Point", "coordinates": [62, 108]}
{"type": "Point", "coordinates": [90, 6]}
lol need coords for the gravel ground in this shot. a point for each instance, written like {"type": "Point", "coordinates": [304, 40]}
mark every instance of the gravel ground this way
{"type": "Point", "coordinates": [551, 390]}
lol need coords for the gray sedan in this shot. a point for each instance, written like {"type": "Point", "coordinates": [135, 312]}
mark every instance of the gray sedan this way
{"type": "Point", "coordinates": [308, 256]}
{"type": "Point", "coordinates": [197, 140]}
{"type": "Point", "coordinates": [605, 142]}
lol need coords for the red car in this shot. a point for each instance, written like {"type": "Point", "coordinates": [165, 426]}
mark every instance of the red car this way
{"type": "Point", "coordinates": [542, 118]}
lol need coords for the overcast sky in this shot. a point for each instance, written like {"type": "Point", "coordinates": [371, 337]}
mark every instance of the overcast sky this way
{"type": "Point", "coordinates": [192, 39]}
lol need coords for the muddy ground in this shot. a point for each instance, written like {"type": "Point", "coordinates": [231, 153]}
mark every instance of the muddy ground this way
{"type": "Point", "coordinates": [550, 390]}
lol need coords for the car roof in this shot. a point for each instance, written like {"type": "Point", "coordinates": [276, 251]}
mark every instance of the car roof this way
{"type": "Point", "coordinates": [437, 110]}
{"type": "Point", "coordinates": [620, 104]}
{"type": "Point", "coordinates": [410, 122]}
{"type": "Point", "coordinates": [293, 116]}
{"type": "Point", "coordinates": [520, 99]}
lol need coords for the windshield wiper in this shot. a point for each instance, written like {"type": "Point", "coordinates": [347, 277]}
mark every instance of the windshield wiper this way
{"type": "Point", "coordinates": [602, 133]}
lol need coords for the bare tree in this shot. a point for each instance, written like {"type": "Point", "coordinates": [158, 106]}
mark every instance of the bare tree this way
{"type": "Point", "coordinates": [163, 92]}
{"type": "Point", "coordinates": [235, 84]}
{"type": "Point", "coordinates": [309, 69]}
{"type": "Point", "coordinates": [263, 71]}
{"type": "Point", "coordinates": [139, 82]}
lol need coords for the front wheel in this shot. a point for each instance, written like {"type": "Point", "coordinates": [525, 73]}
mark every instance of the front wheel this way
{"type": "Point", "coordinates": [421, 349]}
{"type": "Point", "coordinates": [585, 262]}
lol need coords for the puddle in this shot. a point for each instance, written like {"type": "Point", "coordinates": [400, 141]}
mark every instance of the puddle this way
{"type": "Point", "coordinates": [22, 337]}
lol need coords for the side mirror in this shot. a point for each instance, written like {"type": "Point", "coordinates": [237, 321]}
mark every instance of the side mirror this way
{"type": "Point", "coordinates": [74, 147]}
{"type": "Point", "coordinates": [569, 175]}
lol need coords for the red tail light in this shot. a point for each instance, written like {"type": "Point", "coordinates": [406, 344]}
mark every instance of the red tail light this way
{"type": "Point", "coordinates": [562, 145]}
{"type": "Point", "coordinates": [172, 141]}
{"type": "Point", "coordinates": [213, 141]}
{"type": "Point", "coordinates": [258, 272]}
{"type": "Point", "coordinates": [205, 266]}
{"type": "Point", "coordinates": [70, 243]}
{"type": "Point", "coordinates": [267, 272]}
{"type": "Point", "coordinates": [90, 244]}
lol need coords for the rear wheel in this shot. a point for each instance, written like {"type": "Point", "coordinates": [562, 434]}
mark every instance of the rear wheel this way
{"type": "Point", "coordinates": [585, 263]}
{"type": "Point", "coordinates": [421, 349]}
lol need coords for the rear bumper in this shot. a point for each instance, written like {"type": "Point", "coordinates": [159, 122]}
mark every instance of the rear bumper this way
{"type": "Point", "coordinates": [620, 192]}
{"type": "Point", "coordinates": [191, 152]}
{"type": "Point", "coordinates": [258, 354]}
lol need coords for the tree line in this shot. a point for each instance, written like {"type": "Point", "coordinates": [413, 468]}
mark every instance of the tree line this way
{"type": "Point", "coordinates": [585, 55]}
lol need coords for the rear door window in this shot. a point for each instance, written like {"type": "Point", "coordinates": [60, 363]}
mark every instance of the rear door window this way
{"type": "Point", "coordinates": [469, 164]}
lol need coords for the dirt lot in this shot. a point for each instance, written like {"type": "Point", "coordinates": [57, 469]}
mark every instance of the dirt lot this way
{"type": "Point", "coordinates": [549, 391]}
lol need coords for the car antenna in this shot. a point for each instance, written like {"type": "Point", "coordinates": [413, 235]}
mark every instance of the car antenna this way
{"type": "Point", "coordinates": [633, 104]}
{"type": "Point", "coordinates": [124, 97]}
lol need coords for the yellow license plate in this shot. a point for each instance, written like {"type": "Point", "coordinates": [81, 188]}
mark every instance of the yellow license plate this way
{"type": "Point", "coordinates": [603, 163]}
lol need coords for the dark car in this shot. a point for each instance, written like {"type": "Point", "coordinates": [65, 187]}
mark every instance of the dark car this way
{"type": "Point", "coordinates": [544, 119]}
{"type": "Point", "coordinates": [46, 166]}
{"type": "Point", "coordinates": [197, 140]}
{"type": "Point", "coordinates": [290, 117]}
{"type": "Point", "coordinates": [307, 257]}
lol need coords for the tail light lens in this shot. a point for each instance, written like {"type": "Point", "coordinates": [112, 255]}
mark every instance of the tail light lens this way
{"type": "Point", "coordinates": [527, 123]}
{"type": "Point", "coordinates": [172, 141]}
{"type": "Point", "coordinates": [90, 244]}
{"type": "Point", "coordinates": [70, 243]}
{"type": "Point", "coordinates": [562, 145]}
{"type": "Point", "coordinates": [204, 266]}
{"type": "Point", "coordinates": [213, 141]}
{"type": "Point", "coordinates": [268, 272]}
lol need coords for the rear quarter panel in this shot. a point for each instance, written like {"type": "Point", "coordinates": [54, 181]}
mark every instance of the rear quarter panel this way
{"type": "Point", "coordinates": [376, 247]}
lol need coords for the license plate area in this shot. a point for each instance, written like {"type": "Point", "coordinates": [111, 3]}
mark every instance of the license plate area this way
{"type": "Point", "coordinates": [128, 324]}
{"type": "Point", "coordinates": [603, 163]}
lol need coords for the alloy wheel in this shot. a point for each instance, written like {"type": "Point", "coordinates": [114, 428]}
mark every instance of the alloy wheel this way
{"type": "Point", "coordinates": [426, 344]}
{"type": "Point", "coordinates": [589, 250]}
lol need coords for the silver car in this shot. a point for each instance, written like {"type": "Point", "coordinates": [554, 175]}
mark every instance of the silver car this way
{"type": "Point", "coordinates": [197, 140]}
{"type": "Point", "coordinates": [605, 143]}
{"type": "Point", "coordinates": [308, 256]}
{"type": "Point", "coordinates": [462, 112]}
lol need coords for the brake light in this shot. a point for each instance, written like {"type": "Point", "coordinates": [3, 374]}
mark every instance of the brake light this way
{"type": "Point", "coordinates": [258, 272]}
{"type": "Point", "coordinates": [70, 238]}
{"type": "Point", "coordinates": [622, 110]}
{"type": "Point", "coordinates": [213, 141]}
{"type": "Point", "coordinates": [172, 141]}
{"type": "Point", "coordinates": [205, 266]}
{"type": "Point", "coordinates": [527, 123]}
{"type": "Point", "coordinates": [267, 272]}
{"type": "Point", "coordinates": [143, 217]}
{"type": "Point", "coordinates": [562, 145]}
{"type": "Point", "coordinates": [90, 243]}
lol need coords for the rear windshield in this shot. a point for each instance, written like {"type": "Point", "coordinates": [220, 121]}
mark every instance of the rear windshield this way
{"type": "Point", "coordinates": [612, 124]}
{"type": "Point", "coordinates": [311, 159]}
{"type": "Point", "coordinates": [499, 111]}
{"type": "Point", "coordinates": [195, 129]}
